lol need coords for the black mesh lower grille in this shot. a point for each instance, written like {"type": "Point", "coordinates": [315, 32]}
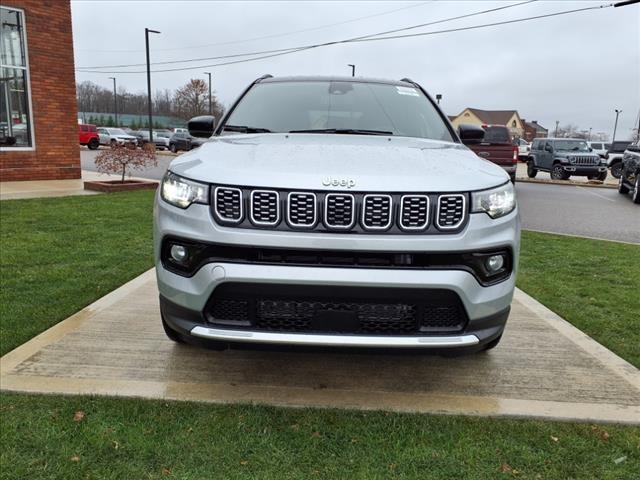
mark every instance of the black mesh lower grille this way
{"type": "Point", "coordinates": [319, 310]}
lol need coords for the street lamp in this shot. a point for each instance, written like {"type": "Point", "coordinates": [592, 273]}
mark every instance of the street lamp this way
{"type": "Point", "coordinates": [438, 98]}
{"type": "Point", "coordinates": [115, 100]}
{"type": "Point", "coordinates": [556, 132]}
{"type": "Point", "coordinates": [147, 31]}
{"type": "Point", "coordinates": [615, 126]}
{"type": "Point", "coordinates": [353, 69]}
{"type": "Point", "coordinates": [210, 109]}
{"type": "Point", "coordinates": [590, 128]}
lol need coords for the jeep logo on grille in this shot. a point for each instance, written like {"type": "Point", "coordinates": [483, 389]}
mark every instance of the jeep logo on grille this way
{"type": "Point", "coordinates": [338, 182]}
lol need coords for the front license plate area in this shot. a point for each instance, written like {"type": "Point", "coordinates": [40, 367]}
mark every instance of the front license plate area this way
{"type": "Point", "coordinates": [343, 321]}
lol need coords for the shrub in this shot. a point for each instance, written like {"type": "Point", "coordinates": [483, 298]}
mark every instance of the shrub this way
{"type": "Point", "coordinates": [121, 159]}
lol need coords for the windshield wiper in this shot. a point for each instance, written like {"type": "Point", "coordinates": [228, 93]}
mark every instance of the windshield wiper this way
{"type": "Point", "coordinates": [346, 131]}
{"type": "Point", "coordinates": [245, 129]}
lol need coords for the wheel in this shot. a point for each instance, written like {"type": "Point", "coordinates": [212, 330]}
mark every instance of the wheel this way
{"type": "Point", "coordinates": [636, 190]}
{"type": "Point", "coordinates": [173, 148]}
{"type": "Point", "coordinates": [93, 144]}
{"type": "Point", "coordinates": [113, 143]}
{"type": "Point", "coordinates": [512, 176]}
{"type": "Point", "coordinates": [492, 344]}
{"type": "Point", "coordinates": [171, 333]}
{"type": "Point", "coordinates": [558, 173]}
{"type": "Point", "coordinates": [616, 169]}
{"type": "Point", "coordinates": [622, 188]}
{"type": "Point", "coordinates": [532, 171]}
{"type": "Point", "coordinates": [603, 176]}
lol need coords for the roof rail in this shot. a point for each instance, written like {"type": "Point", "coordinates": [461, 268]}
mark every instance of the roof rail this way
{"type": "Point", "coordinates": [263, 77]}
{"type": "Point", "coordinates": [408, 80]}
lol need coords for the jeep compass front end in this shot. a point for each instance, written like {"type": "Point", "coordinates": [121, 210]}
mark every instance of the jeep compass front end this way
{"type": "Point", "coordinates": [335, 212]}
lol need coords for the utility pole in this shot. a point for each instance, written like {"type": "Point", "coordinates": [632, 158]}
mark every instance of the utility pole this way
{"type": "Point", "coordinates": [115, 99]}
{"type": "Point", "coordinates": [210, 109]}
{"type": "Point", "coordinates": [590, 128]}
{"type": "Point", "coordinates": [556, 132]}
{"type": "Point", "coordinates": [353, 69]}
{"type": "Point", "coordinates": [615, 126]}
{"type": "Point", "coordinates": [438, 98]}
{"type": "Point", "coordinates": [147, 31]}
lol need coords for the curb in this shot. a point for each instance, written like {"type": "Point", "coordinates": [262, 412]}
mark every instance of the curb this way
{"type": "Point", "coordinates": [567, 182]}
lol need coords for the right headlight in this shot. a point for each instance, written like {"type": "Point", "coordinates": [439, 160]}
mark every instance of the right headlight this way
{"type": "Point", "coordinates": [182, 192]}
{"type": "Point", "coordinates": [496, 202]}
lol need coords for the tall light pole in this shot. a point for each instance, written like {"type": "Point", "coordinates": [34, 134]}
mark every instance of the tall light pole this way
{"type": "Point", "coordinates": [615, 126]}
{"type": "Point", "coordinates": [556, 132]}
{"type": "Point", "coordinates": [590, 128]}
{"type": "Point", "coordinates": [438, 98]}
{"type": "Point", "coordinates": [147, 31]}
{"type": "Point", "coordinates": [210, 108]}
{"type": "Point", "coordinates": [115, 100]}
{"type": "Point", "coordinates": [353, 69]}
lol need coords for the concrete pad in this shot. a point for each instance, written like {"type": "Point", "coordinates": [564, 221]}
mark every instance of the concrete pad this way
{"type": "Point", "coordinates": [52, 188]}
{"type": "Point", "coordinates": [544, 368]}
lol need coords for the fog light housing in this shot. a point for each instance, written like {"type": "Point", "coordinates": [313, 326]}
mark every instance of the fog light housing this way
{"type": "Point", "coordinates": [494, 263]}
{"type": "Point", "coordinates": [179, 253]}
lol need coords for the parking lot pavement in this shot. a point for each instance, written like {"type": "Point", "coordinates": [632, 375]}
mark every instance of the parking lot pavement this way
{"type": "Point", "coordinates": [544, 368]}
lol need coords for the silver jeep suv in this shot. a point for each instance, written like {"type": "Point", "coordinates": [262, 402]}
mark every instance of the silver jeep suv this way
{"type": "Point", "coordinates": [339, 212]}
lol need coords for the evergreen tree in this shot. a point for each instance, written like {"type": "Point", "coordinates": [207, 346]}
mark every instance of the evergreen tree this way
{"type": "Point", "coordinates": [101, 123]}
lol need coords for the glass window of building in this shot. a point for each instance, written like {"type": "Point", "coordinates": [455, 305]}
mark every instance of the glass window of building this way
{"type": "Point", "coordinates": [15, 115]}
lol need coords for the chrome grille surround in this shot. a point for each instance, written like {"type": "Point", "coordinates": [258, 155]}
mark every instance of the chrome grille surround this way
{"type": "Point", "coordinates": [298, 206]}
{"type": "Point", "coordinates": [374, 209]}
{"type": "Point", "coordinates": [221, 196]}
{"type": "Point", "coordinates": [261, 211]}
{"type": "Point", "coordinates": [337, 206]}
{"type": "Point", "coordinates": [450, 211]}
{"type": "Point", "coordinates": [406, 212]}
{"type": "Point", "coordinates": [585, 160]}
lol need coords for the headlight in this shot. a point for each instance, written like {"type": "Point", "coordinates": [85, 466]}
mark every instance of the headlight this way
{"type": "Point", "coordinates": [181, 192]}
{"type": "Point", "coordinates": [496, 202]}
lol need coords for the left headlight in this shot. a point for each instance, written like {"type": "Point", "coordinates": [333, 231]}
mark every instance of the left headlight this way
{"type": "Point", "coordinates": [496, 202]}
{"type": "Point", "coordinates": [181, 192]}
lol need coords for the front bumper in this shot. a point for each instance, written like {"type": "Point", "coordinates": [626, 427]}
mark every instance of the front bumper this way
{"type": "Point", "coordinates": [184, 299]}
{"type": "Point", "coordinates": [584, 170]}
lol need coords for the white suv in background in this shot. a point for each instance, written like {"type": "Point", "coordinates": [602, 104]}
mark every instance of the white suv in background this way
{"type": "Point", "coordinates": [115, 136]}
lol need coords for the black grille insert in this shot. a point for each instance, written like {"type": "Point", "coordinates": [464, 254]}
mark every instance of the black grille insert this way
{"type": "Point", "coordinates": [451, 210]}
{"type": "Point", "coordinates": [414, 212]}
{"type": "Point", "coordinates": [376, 212]}
{"type": "Point", "coordinates": [339, 210]}
{"type": "Point", "coordinates": [327, 309]}
{"type": "Point", "coordinates": [302, 209]}
{"type": "Point", "coordinates": [265, 207]}
{"type": "Point", "coordinates": [228, 204]}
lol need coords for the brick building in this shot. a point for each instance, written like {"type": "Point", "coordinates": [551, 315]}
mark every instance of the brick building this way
{"type": "Point", "coordinates": [38, 112]}
{"type": "Point", "coordinates": [534, 130]}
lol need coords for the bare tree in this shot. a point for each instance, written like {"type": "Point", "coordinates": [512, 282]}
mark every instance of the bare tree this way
{"type": "Point", "coordinates": [193, 99]}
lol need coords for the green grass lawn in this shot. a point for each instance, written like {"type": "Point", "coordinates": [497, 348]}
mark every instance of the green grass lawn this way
{"type": "Point", "coordinates": [58, 255]}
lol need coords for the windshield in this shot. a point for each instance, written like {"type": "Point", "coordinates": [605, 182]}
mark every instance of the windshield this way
{"type": "Point", "coordinates": [571, 145]}
{"type": "Point", "coordinates": [341, 107]}
{"type": "Point", "coordinates": [117, 131]}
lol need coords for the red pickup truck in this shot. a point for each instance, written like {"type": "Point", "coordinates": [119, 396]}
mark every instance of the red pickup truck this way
{"type": "Point", "coordinates": [88, 136]}
{"type": "Point", "coordinates": [497, 147]}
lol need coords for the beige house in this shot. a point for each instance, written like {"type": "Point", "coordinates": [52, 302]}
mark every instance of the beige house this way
{"type": "Point", "coordinates": [474, 116]}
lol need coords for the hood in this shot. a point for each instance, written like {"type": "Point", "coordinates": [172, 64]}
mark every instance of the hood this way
{"type": "Point", "coordinates": [338, 162]}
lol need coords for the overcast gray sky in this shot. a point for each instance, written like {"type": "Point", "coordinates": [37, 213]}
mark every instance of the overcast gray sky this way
{"type": "Point", "coordinates": [575, 68]}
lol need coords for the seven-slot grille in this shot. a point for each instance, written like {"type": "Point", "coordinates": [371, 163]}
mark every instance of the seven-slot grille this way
{"type": "Point", "coordinates": [450, 211]}
{"type": "Point", "coordinates": [357, 212]}
{"type": "Point", "coordinates": [228, 204]}
{"type": "Point", "coordinates": [414, 212]}
{"type": "Point", "coordinates": [377, 212]}
{"type": "Point", "coordinates": [302, 209]}
{"type": "Point", "coordinates": [339, 210]}
{"type": "Point", "coordinates": [265, 207]}
{"type": "Point", "coordinates": [585, 160]}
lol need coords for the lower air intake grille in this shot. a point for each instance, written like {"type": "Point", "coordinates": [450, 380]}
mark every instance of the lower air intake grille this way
{"type": "Point", "coordinates": [451, 211]}
{"type": "Point", "coordinates": [292, 308]}
{"type": "Point", "coordinates": [228, 204]}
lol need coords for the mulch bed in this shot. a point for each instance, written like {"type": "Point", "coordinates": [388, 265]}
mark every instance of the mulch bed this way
{"type": "Point", "coordinates": [110, 186]}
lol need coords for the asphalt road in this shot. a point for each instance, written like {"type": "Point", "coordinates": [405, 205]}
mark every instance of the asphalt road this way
{"type": "Point", "coordinates": [574, 210]}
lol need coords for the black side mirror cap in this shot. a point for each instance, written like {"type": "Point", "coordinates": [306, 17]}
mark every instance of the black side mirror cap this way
{"type": "Point", "coordinates": [470, 133]}
{"type": "Point", "coordinates": [201, 126]}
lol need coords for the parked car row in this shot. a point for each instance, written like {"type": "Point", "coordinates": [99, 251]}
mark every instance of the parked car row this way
{"type": "Point", "coordinates": [175, 140]}
{"type": "Point", "coordinates": [629, 180]}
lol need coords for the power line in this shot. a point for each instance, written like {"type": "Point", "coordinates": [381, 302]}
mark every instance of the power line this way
{"type": "Point", "coordinates": [275, 35]}
{"type": "Point", "coordinates": [369, 39]}
{"type": "Point", "coordinates": [412, 27]}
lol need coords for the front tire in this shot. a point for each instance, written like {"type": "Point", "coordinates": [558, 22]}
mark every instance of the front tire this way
{"type": "Point", "coordinates": [93, 144]}
{"type": "Point", "coordinates": [622, 188]}
{"type": "Point", "coordinates": [113, 143]}
{"type": "Point", "coordinates": [603, 176]}
{"type": "Point", "coordinates": [616, 169]}
{"type": "Point", "coordinates": [173, 148]}
{"type": "Point", "coordinates": [171, 333]}
{"type": "Point", "coordinates": [492, 344]}
{"type": "Point", "coordinates": [532, 171]}
{"type": "Point", "coordinates": [636, 190]}
{"type": "Point", "coordinates": [558, 173]}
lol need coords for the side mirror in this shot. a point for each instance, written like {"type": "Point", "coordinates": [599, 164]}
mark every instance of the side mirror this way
{"type": "Point", "coordinates": [201, 126]}
{"type": "Point", "coordinates": [590, 149]}
{"type": "Point", "coordinates": [470, 133]}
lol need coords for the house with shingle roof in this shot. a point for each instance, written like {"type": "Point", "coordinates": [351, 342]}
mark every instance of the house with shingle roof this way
{"type": "Point", "coordinates": [476, 116]}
